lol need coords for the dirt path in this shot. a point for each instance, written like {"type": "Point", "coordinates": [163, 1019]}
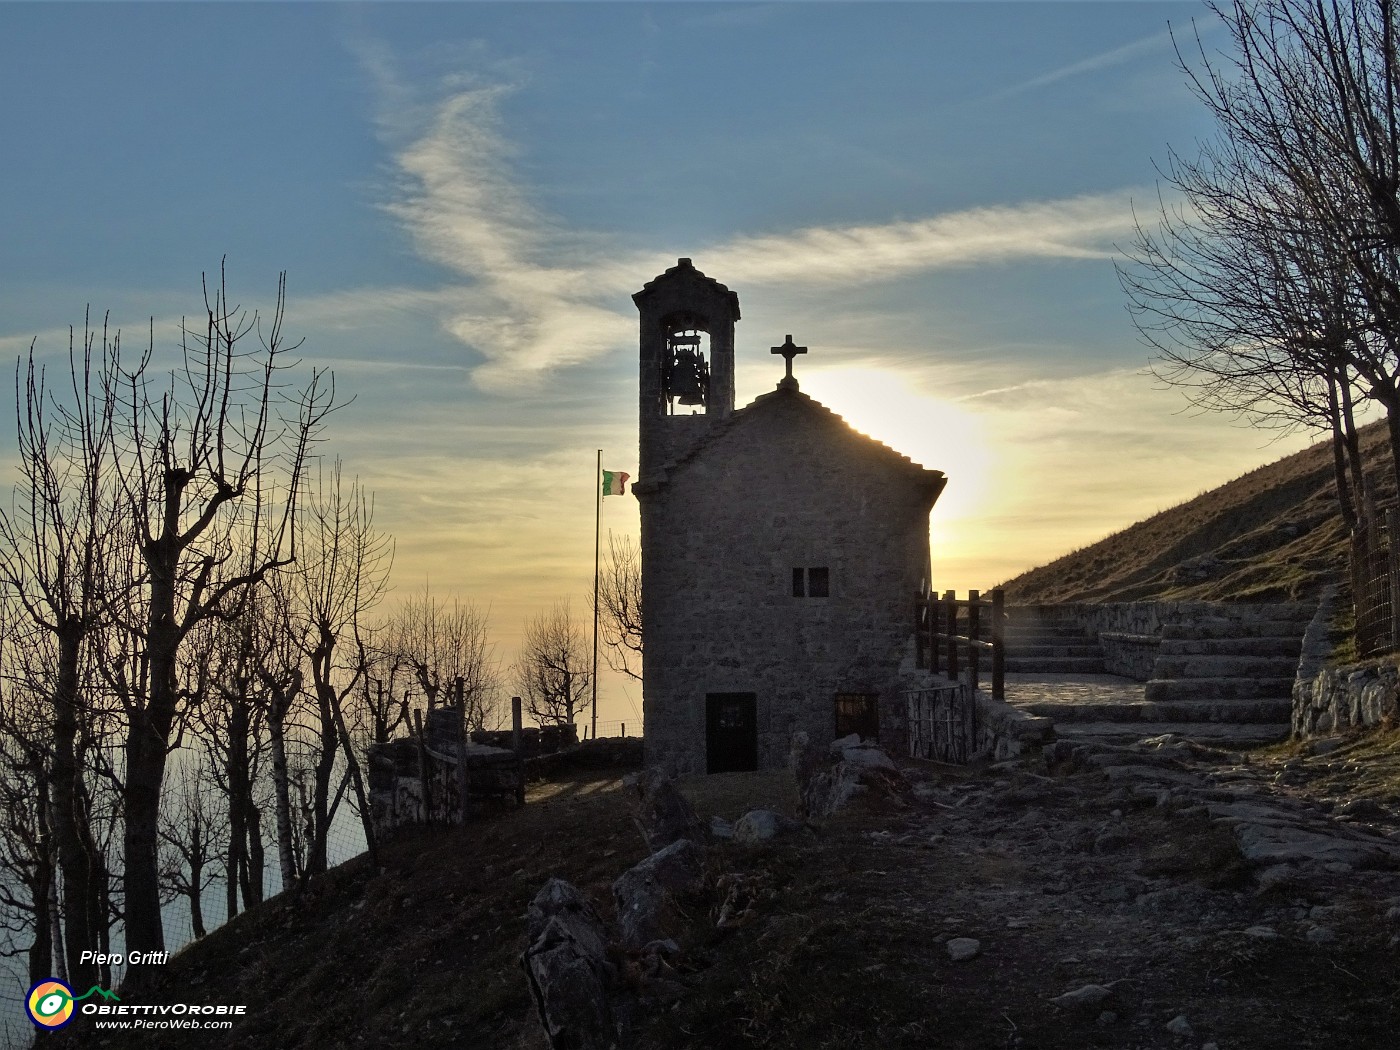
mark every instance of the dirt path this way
{"type": "Point", "coordinates": [1179, 896]}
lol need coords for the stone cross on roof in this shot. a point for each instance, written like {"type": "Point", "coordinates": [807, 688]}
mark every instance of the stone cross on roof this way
{"type": "Point", "coordinates": [789, 351]}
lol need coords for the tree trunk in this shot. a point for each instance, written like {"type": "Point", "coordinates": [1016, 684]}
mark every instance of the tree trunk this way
{"type": "Point", "coordinates": [70, 832]}
{"type": "Point", "coordinates": [286, 854]}
{"type": "Point", "coordinates": [236, 866]}
{"type": "Point", "coordinates": [325, 761]}
{"type": "Point", "coordinates": [41, 952]}
{"type": "Point", "coordinates": [255, 860]}
{"type": "Point", "coordinates": [1339, 457]}
{"type": "Point", "coordinates": [147, 738]}
{"type": "Point", "coordinates": [197, 847]}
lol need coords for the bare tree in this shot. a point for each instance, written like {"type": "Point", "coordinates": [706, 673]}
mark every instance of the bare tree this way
{"type": "Point", "coordinates": [27, 851]}
{"type": "Point", "coordinates": [193, 832]}
{"type": "Point", "coordinates": [200, 462]}
{"type": "Point", "coordinates": [432, 643]}
{"type": "Point", "coordinates": [1308, 154]}
{"type": "Point", "coordinates": [620, 606]}
{"type": "Point", "coordinates": [57, 541]}
{"type": "Point", "coordinates": [341, 575]}
{"type": "Point", "coordinates": [552, 670]}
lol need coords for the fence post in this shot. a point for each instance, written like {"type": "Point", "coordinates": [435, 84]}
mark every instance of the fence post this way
{"type": "Point", "coordinates": [950, 600]}
{"type": "Point", "coordinates": [919, 613]}
{"type": "Point", "coordinates": [998, 644]}
{"type": "Point", "coordinates": [424, 773]}
{"type": "Point", "coordinates": [974, 623]}
{"type": "Point", "coordinates": [517, 744]}
{"type": "Point", "coordinates": [463, 781]}
{"type": "Point", "coordinates": [931, 603]}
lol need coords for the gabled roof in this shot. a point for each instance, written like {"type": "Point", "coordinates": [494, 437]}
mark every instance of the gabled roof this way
{"type": "Point", "coordinates": [685, 270]}
{"type": "Point", "coordinates": [788, 394]}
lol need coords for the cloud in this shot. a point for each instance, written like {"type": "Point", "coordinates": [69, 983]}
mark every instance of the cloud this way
{"type": "Point", "coordinates": [1081, 227]}
{"type": "Point", "coordinates": [537, 295]}
{"type": "Point", "coordinates": [1154, 44]}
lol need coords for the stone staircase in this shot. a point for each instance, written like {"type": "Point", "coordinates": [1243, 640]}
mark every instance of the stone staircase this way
{"type": "Point", "coordinates": [1231, 670]}
{"type": "Point", "coordinates": [1038, 646]}
{"type": "Point", "coordinates": [1225, 678]}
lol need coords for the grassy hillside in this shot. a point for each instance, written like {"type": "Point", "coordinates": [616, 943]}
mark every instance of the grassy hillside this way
{"type": "Point", "coordinates": [1274, 534]}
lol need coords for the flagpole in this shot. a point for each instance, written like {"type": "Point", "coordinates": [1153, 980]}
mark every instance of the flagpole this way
{"type": "Point", "coordinates": [597, 533]}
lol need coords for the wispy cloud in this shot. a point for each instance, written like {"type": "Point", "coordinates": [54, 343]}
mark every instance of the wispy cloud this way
{"type": "Point", "coordinates": [1148, 45]}
{"type": "Point", "coordinates": [536, 294]}
{"type": "Point", "coordinates": [1082, 227]}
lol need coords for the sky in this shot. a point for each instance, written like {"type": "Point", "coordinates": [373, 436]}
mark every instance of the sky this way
{"type": "Point", "coordinates": [930, 196]}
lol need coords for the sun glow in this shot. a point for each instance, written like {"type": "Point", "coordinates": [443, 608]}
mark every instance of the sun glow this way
{"type": "Point", "coordinates": [933, 432]}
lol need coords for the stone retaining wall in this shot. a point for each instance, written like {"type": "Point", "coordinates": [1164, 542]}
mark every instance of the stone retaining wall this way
{"type": "Point", "coordinates": [1130, 655]}
{"type": "Point", "coordinates": [1003, 731]}
{"type": "Point", "coordinates": [1338, 698]}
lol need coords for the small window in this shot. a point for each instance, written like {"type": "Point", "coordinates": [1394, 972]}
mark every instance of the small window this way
{"type": "Point", "coordinates": [811, 583]}
{"type": "Point", "coordinates": [858, 713]}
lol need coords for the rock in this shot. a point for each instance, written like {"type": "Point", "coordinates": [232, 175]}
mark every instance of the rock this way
{"type": "Point", "coordinates": [645, 893]}
{"type": "Point", "coordinates": [568, 970]}
{"type": "Point", "coordinates": [1088, 995]}
{"type": "Point", "coordinates": [721, 828]}
{"type": "Point", "coordinates": [1321, 935]}
{"type": "Point", "coordinates": [1178, 1025]}
{"type": "Point", "coordinates": [1276, 875]}
{"type": "Point", "coordinates": [861, 753]}
{"type": "Point", "coordinates": [1262, 933]}
{"type": "Point", "coordinates": [664, 815]}
{"type": "Point", "coordinates": [960, 948]}
{"type": "Point", "coordinates": [760, 825]}
{"type": "Point", "coordinates": [825, 785]}
{"type": "Point", "coordinates": [1362, 809]}
{"type": "Point", "coordinates": [1276, 843]}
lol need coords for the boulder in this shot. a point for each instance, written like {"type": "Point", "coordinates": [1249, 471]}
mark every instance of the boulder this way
{"type": "Point", "coordinates": [828, 783]}
{"type": "Point", "coordinates": [760, 825]}
{"type": "Point", "coordinates": [664, 815]}
{"type": "Point", "coordinates": [647, 894]}
{"type": "Point", "coordinates": [568, 970]}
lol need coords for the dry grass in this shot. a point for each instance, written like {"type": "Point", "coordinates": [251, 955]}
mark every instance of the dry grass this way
{"type": "Point", "coordinates": [1274, 534]}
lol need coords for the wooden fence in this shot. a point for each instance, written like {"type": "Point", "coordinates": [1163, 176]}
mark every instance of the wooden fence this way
{"type": "Point", "coordinates": [958, 637]}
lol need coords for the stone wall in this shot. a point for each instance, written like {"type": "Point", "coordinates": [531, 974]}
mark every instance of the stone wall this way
{"type": "Point", "coordinates": [783, 484]}
{"type": "Point", "coordinates": [416, 782]}
{"type": "Point", "coordinates": [1339, 698]}
{"type": "Point", "coordinates": [1004, 732]}
{"type": "Point", "coordinates": [1130, 655]}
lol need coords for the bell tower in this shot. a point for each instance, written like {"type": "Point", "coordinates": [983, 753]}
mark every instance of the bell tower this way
{"type": "Point", "coordinates": [687, 361]}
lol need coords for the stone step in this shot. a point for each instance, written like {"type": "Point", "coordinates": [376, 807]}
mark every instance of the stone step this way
{"type": "Point", "coordinates": [1045, 631]}
{"type": "Point", "coordinates": [1290, 646]}
{"type": "Point", "coordinates": [1221, 734]}
{"type": "Point", "coordinates": [1227, 712]}
{"type": "Point", "coordinates": [1225, 666]}
{"type": "Point", "coordinates": [1039, 641]}
{"type": "Point", "coordinates": [1026, 652]}
{"type": "Point", "coordinates": [1170, 689]}
{"type": "Point", "coordinates": [1226, 628]}
{"type": "Point", "coordinates": [1056, 664]}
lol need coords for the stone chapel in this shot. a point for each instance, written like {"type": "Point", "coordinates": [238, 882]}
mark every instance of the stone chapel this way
{"type": "Point", "coordinates": [782, 551]}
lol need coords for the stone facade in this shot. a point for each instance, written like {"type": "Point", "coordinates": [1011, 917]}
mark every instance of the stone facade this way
{"type": "Point", "coordinates": [738, 509]}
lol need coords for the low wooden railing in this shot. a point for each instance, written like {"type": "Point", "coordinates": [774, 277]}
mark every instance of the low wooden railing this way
{"type": "Point", "coordinates": [951, 643]}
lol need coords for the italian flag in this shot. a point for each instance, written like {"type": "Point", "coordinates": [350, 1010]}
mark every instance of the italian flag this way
{"type": "Point", "coordinates": [615, 483]}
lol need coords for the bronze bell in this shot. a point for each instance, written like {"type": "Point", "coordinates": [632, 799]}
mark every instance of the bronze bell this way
{"type": "Point", "coordinates": [688, 378]}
